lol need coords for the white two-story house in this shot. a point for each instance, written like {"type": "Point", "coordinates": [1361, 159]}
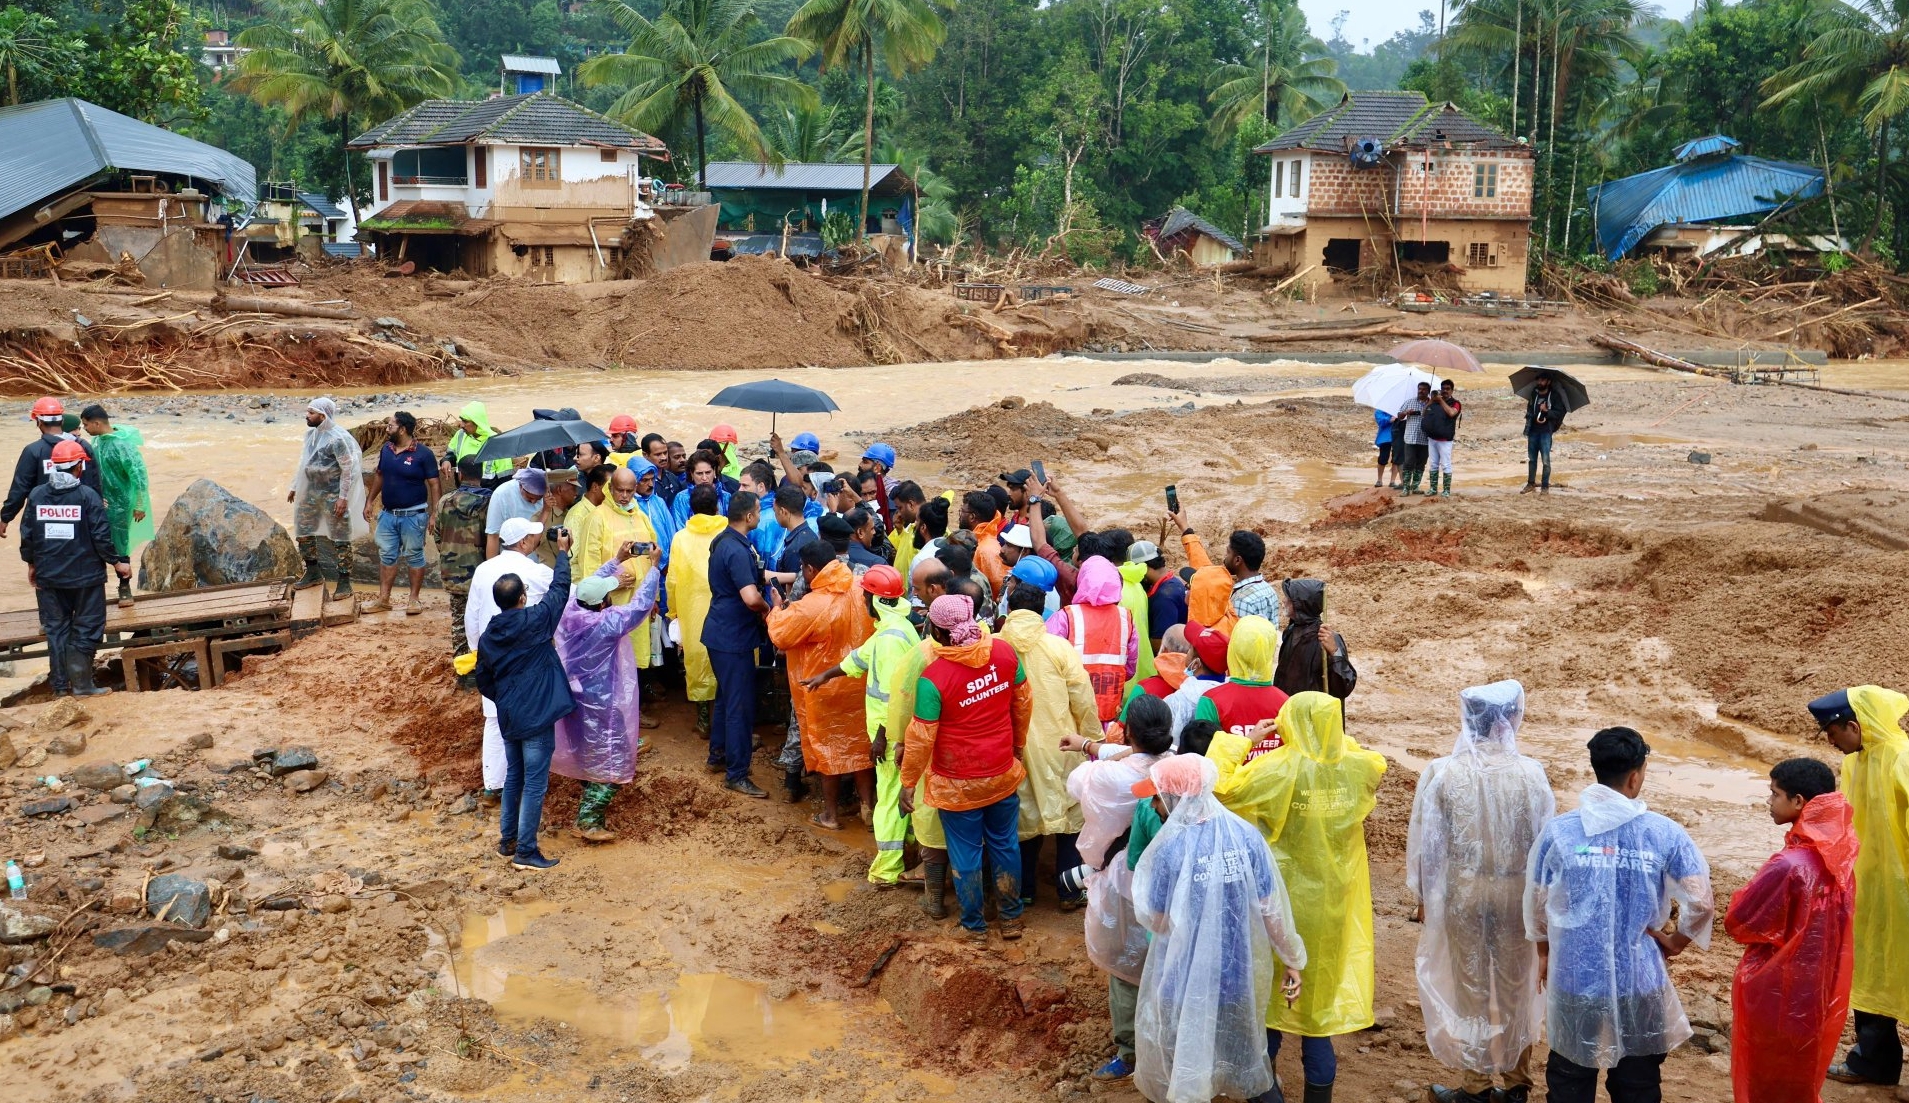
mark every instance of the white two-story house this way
{"type": "Point", "coordinates": [531, 185]}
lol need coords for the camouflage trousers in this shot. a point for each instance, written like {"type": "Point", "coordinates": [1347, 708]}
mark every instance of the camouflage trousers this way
{"type": "Point", "coordinates": [594, 805]}
{"type": "Point", "coordinates": [315, 514]}
{"type": "Point", "coordinates": [460, 599]}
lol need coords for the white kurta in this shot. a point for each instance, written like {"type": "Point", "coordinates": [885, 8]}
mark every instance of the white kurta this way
{"type": "Point", "coordinates": [477, 615]}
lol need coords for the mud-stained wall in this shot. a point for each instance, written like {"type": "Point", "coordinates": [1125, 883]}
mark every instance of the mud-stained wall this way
{"type": "Point", "coordinates": [688, 233]}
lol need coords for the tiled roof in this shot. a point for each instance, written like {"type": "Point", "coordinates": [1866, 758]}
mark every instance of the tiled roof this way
{"type": "Point", "coordinates": [1394, 118]}
{"type": "Point", "coordinates": [1180, 219]}
{"type": "Point", "coordinates": [538, 118]}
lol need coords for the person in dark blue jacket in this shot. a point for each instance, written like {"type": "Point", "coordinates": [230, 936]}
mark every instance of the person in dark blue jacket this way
{"type": "Point", "coordinates": [518, 667]}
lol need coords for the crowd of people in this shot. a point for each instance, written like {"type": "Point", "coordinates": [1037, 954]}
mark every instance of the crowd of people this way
{"type": "Point", "coordinates": [995, 682]}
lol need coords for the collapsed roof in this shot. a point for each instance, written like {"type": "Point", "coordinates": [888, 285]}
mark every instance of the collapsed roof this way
{"type": "Point", "coordinates": [1708, 183]}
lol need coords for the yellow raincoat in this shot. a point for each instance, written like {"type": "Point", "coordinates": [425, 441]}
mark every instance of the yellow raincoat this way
{"type": "Point", "coordinates": [689, 599]}
{"type": "Point", "coordinates": [1876, 782]}
{"type": "Point", "coordinates": [1063, 705]}
{"type": "Point", "coordinates": [1310, 799]}
{"type": "Point", "coordinates": [1133, 598]}
{"type": "Point", "coordinates": [607, 529]}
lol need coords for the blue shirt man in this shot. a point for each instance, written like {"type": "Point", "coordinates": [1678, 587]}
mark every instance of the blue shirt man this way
{"type": "Point", "coordinates": [733, 631]}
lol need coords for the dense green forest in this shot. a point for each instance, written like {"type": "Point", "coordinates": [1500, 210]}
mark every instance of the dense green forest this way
{"type": "Point", "coordinates": [1056, 125]}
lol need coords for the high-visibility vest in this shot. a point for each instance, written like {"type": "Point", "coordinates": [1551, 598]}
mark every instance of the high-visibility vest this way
{"type": "Point", "coordinates": [1100, 633]}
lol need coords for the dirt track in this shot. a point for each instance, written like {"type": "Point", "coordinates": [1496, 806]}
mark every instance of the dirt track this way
{"type": "Point", "coordinates": [711, 953]}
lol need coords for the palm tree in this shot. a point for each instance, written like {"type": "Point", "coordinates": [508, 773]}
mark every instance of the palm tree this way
{"type": "Point", "coordinates": [26, 42]}
{"type": "Point", "coordinates": [905, 33]}
{"type": "Point", "coordinates": [1292, 82]}
{"type": "Point", "coordinates": [336, 59]}
{"type": "Point", "coordinates": [811, 133]}
{"type": "Point", "coordinates": [1858, 57]}
{"type": "Point", "coordinates": [694, 63]}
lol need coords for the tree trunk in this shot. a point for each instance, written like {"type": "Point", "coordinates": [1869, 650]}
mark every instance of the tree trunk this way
{"type": "Point", "coordinates": [702, 152]}
{"type": "Point", "coordinates": [13, 85]}
{"type": "Point", "coordinates": [868, 135]}
{"type": "Point", "coordinates": [1517, 54]}
{"type": "Point", "coordinates": [351, 193]}
{"type": "Point", "coordinates": [1882, 176]}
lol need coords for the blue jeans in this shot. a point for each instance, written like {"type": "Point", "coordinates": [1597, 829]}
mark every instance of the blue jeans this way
{"type": "Point", "coordinates": [732, 721]}
{"type": "Point", "coordinates": [1537, 445]}
{"type": "Point", "coordinates": [401, 536]}
{"type": "Point", "coordinates": [526, 780]}
{"type": "Point", "coordinates": [991, 830]}
{"type": "Point", "coordinates": [1316, 1057]}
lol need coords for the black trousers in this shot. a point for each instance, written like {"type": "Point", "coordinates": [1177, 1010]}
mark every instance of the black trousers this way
{"type": "Point", "coordinates": [74, 620]}
{"type": "Point", "coordinates": [1634, 1080]}
{"type": "Point", "coordinates": [1877, 1054]}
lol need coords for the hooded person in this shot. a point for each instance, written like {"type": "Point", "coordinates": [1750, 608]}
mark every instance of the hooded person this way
{"type": "Point", "coordinates": [1248, 697]}
{"type": "Point", "coordinates": [686, 590]}
{"type": "Point", "coordinates": [813, 631]}
{"type": "Point", "coordinates": [1790, 997]}
{"type": "Point", "coordinates": [1211, 893]}
{"type": "Point", "coordinates": [1102, 632]}
{"type": "Point", "coordinates": [1476, 816]}
{"type": "Point", "coordinates": [328, 499]}
{"type": "Point", "coordinates": [474, 428]}
{"type": "Point", "coordinates": [1598, 893]}
{"type": "Point", "coordinates": [598, 743]}
{"type": "Point", "coordinates": [1063, 705]}
{"type": "Point", "coordinates": [875, 662]}
{"type": "Point", "coordinates": [619, 520]}
{"type": "Point", "coordinates": [724, 435]}
{"type": "Point", "coordinates": [1865, 723]}
{"type": "Point", "coordinates": [1133, 598]}
{"type": "Point", "coordinates": [654, 505]}
{"type": "Point", "coordinates": [1310, 798]}
{"type": "Point", "coordinates": [122, 479]}
{"type": "Point", "coordinates": [1302, 665]}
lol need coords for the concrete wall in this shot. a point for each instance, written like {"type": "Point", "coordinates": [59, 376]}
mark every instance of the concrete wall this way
{"type": "Point", "coordinates": [586, 180]}
{"type": "Point", "coordinates": [1506, 240]}
{"type": "Point", "coordinates": [688, 233]}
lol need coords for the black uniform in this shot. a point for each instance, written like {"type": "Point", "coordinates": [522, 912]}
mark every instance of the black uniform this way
{"type": "Point", "coordinates": [66, 538]}
{"type": "Point", "coordinates": [36, 461]}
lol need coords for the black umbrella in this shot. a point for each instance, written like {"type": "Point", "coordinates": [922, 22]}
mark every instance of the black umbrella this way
{"type": "Point", "coordinates": [774, 396]}
{"type": "Point", "coordinates": [538, 436]}
{"type": "Point", "coordinates": [1525, 380]}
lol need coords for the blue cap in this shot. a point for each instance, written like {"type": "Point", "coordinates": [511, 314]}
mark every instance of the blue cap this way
{"type": "Point", "coordinates": [882, 454]}
{"type": "Point", "coordinates": [1035, 571]}
{"type": "Point", "coordinates": [805, 442]}
{"type": "Point", "coordinates": [1832, 708]}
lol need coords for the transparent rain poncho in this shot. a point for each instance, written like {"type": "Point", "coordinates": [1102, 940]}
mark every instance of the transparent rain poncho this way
{"type": "Point", "coordinates": [1601, 878]}
{"type": "Point", "coordinates": [330, 464]}
{"type": "Point", "coordinates": [1476, 817]}
{"type": "Point", "coordinates": [597, 741]}
{"type": "Point", "coordinates": [1116, 942]}
{"type": "Point", "coordinates": [1210, 891]}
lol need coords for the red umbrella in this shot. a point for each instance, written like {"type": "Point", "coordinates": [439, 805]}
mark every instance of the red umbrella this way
{"type": "Point", "coordinates": [1442, 355]}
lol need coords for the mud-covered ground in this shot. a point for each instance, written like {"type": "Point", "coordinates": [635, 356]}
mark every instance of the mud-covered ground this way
{"type": "Point", "coordinates": [719, 950]}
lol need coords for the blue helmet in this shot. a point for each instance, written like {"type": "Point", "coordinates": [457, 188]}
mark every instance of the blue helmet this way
{"type": "Point", "coordinates": [1035, 571]}
{"type": "Point", "coordinates": [805, 442]}
{"type": "Point", "coordinates": [882, 454]}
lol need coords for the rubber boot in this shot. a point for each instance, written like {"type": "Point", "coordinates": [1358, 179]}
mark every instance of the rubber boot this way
{"type": "Point", "coordinates": [125, 593]}
{"type": "Point", "coordinates": [342, 554]}
{"type": "Point", "coordinates": [1318, 1093]}
{"type": "Point", "coordinates": [56, 671]}
{"type": "Point", "coordinates": [1411, 484]}
{"type": "Point", "coordinates": [308, 551]}
{"type": "Point", "coordinates": [1447, 492]}
{"type": "Point", "coordinates": [934, 887]}
{"type": "Point", "coordinates": [1274, 1094]}
{"type": "Point", "coordinates": [79, 671]}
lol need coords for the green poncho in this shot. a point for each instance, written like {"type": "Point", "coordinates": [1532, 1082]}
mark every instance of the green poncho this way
{"type": "Point", "coordinates": [122, 476]}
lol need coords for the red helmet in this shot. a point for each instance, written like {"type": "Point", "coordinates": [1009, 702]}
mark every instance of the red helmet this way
{"type": "Point", "coordinates": [68, 451]}
{"type": "Point", "coordinates": [723, 434]}
{"type": "Point", "coordinates": [622, 423]}
{"type": "Point", "coordinates": [48, 409]}
{"type": "Point", "coordinates": [882, 580]}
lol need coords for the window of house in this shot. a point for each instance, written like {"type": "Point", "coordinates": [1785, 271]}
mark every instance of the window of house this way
{"type": "Point", "coordinates": [1484, 181]}
{"type": "Point", "coordinates": [543, 256]}
{"type": "Point", "coordinates": [1279, 179]}
{"type": "Point", "coordinates": [1294, 177]}
{"type": "Point", "coordinates": [1479, 254]}
{"type": "Point", "coordinates": [607, 155]}
{"type": "Point", "coordinates": [384, 180]}
{"type": "Point", "coordinates": [445, 166]}
{"type": "Point", "coordinates": [480, 166]}
{"type": "Point", "coordinates": [540, 167]}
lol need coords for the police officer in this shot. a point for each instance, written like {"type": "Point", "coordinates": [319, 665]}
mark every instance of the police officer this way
{"type": "Point", "coordinates": [66, 539]}
{"type": "Point", "coordinates": [35, 460]}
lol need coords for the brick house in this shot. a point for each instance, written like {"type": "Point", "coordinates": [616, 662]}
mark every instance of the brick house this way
{"type": "Point", "coordinates": [1387, 179]}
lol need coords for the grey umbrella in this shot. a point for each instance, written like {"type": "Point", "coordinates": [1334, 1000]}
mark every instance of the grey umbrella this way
{"type": "Point", "coordinates": [538, 436]}
{"type": "Point", "coordinates": [775, 396]}
{"type": "Point", "coordinates": [1525, 380]}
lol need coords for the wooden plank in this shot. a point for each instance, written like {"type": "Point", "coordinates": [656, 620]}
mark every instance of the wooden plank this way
{"type": "Point", "coordinates": [247, 602]}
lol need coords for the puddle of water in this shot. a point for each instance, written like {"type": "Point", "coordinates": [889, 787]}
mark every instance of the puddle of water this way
{"type": "Point", "coordinates": [835, 892]}
{"type": "Point", "coordinates": [823, 926]}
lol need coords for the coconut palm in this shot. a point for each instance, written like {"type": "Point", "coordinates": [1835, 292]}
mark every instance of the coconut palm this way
{"type": "Point", "coordinates": [905, 33]}
{"type": "Point", "coordinates": [811, 133]}
{"type": "Point", "coordinates": [27, 41]}
{"type": "Point", "coordinates": [694, 64]}
{"type": "Point", "coordinates": [1291, 82]}
{"type": "Point", "coordinates": [343, 59]}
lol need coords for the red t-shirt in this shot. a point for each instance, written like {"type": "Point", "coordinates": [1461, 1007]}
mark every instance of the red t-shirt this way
{"type": "Point", "coordinates": [975, 708]}
{"type": "Point", "coordinates": [1241, 707]}
{"type": "Point", "coordinates": [1156, 686]}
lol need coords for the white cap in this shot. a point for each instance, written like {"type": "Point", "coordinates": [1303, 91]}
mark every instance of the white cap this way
{"type": "Point", "coordinates": [516, 529]}
{"type": "Point", "coordinates": [1018, 536]}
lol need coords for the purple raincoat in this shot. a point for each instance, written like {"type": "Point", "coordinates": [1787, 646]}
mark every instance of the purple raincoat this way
{"type": "Point", "coordinates": [597, 742]}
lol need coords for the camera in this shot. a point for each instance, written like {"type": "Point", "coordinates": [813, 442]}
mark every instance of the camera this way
{"type": "Point", "coordinates": [1075, 880]}
{"type": "Point", "coordinates": [557, 532]}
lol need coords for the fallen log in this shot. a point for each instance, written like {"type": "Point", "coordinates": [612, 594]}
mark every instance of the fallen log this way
{"type": "Point", "coordinates": [289, 308]}
{"type": "Point", "coordinates": [1377, 328]}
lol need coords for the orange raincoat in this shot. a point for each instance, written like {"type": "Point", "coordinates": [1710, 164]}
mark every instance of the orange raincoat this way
{"type": "Point", "coordinates": [987, 553]}
{"type": "Point", "coordinates": [829, 621]}
{"type": "Point", "coordinates": [1209, 596]}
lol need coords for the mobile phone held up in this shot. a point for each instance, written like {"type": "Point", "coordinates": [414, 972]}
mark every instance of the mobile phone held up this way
{"type": "Point", "coordinates": [1040, 471]}
{"type": "Point", "coordinates": [1173, 499]}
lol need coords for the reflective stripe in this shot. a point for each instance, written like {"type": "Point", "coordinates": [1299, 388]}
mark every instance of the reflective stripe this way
{"type": "Point", "coordinates": [896, 845]}
{"type": "Point", "coordinates": [1077, 635]}
{"type": "Point", "coordinates": [873, 690]}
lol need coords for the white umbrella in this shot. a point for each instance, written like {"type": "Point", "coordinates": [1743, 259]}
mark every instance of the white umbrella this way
{"type": "Point", "coordinates": [1390, 386]}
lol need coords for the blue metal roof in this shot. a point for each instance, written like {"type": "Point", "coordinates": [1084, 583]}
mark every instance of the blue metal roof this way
{"type": "Point", "coordinates": [320, 206]}
{"type": "Point", "coordinates": [1707, 189]}
{"type": "Point", "coordinates": [1701, 147]}
{"type": "Point", "coordinates": [50, 147]}
{"type": "Point", "coordinates": [344, 250]}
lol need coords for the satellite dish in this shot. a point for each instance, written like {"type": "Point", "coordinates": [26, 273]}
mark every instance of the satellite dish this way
{"type": "Point", "coordinates": [1366, 153]}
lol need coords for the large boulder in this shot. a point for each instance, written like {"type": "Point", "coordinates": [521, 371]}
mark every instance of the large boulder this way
{"type": "Point", "coordinates": [211, 538]}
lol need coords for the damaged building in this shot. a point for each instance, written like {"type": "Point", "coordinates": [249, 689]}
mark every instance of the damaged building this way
{"type": "Point", "coordinates": [1409, 191]}
{"type": "Point", "coordinates": [81, 183]}
{"type": "Point", "coordinates": [530, 186]}
{"type": "Point", "coordinates": [1712, 198]}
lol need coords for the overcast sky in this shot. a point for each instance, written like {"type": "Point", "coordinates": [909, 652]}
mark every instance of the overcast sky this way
{"type": "Point", "coordinates": [1369, 22]}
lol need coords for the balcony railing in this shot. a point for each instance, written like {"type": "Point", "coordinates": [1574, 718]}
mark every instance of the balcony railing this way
{"type": "Point", "coordinates": [430, 181]}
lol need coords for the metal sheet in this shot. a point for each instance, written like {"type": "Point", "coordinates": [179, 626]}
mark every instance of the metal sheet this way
{"type": "Point", "coordinates": [49, 147]}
